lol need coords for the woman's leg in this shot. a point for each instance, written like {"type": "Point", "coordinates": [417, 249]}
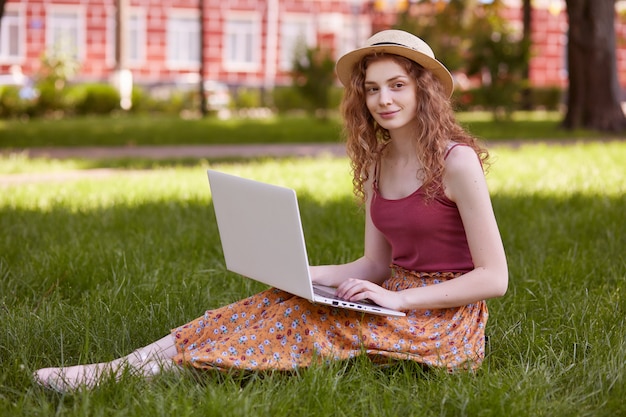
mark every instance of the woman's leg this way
{"type": "Point", "coordinates": [146, 361]}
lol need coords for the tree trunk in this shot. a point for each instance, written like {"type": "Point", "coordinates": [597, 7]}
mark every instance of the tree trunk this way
{"type": "Point", "coordinates": [594, 91]}
{"type": "Point", "coordinates": [2, 3]}
{"type": "Point", "coordinates": [527, 37]}
{"type": "Point", "coordinates": [203, 97]}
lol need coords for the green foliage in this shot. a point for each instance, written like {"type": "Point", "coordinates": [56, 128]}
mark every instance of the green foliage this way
{"type": "Point", "coordinates": [496, 52]}
{"type": "Point", "coordinates": [542, 98]}
{"type": "Point", "coordinates": [97, 99]}
{"type": "Point", "coordinates": [146, 129]}
{"type": "Point", "coordinates": [51, 98]}
{"type": "Point", "coordinates": [142, 102]}
{"type": "Point", "coordinates": [314, 76]}
{"type": "Point", "coordinates": [444, 26]}
{"type": "Point", "coordinates": [548, 98]}
{"type": "Point", "coordinates": [475, 39]}
{"type": "Point", "coordinates": [12, 104]}
{"type": "Point", "coordinates": [247, 98]}
{"type": "Point", "coordinates": [288, 99]}
{"type": "Point", "coordinates": [56, 70]}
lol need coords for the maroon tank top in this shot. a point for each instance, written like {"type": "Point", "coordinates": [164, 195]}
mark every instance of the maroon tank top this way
{"type": "Point", "coordinates": [425, 236]}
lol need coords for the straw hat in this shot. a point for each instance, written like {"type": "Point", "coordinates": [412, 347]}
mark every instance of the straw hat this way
{"type": "Point", "coordinates": [401, 43]}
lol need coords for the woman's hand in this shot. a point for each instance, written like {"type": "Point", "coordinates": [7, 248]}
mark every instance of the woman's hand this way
{"type": "Point", "coordinates": [358, 290]}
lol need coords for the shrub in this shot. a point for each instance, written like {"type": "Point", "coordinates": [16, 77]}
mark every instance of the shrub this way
{"type": "Point", "coordinates": [51, 98]}
{"type": "Point", "coordinates": [545, 98]}
{"type": "Point", "coordinates": [98, 99]}
{"type": "Point", "coordinates": [287, 99]}
{"type": "Point", "coordinates": [248, 98]}
{"type": "Point", "coordinates": [11, 104]}
{"type": "Point", "coordinates": [548, 98]}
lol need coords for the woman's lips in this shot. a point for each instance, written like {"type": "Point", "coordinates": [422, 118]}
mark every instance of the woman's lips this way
{"type": "Point", "coordinates": [387, 114]}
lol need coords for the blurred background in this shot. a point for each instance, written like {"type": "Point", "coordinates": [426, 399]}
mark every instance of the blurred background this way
{"type": "Point", "coordinates": [254, 58]}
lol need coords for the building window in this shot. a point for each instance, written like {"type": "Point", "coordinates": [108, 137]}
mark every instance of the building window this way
{"type": "Point", "coordinates": [135, 39]}
{"type": "Point", "coordinates": [183, 41]}
{"type": "Point", "coordinates": [242, 44]}
{"type": "Point", "coordinates": [11, 37]}
{"type": "Point", "coordinates": [65, 34]}
{"type": "Point", "coordinates": [295, 33]}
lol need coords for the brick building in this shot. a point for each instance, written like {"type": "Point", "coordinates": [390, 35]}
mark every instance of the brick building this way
{"type": "Point", "coordinates": [246, 42]}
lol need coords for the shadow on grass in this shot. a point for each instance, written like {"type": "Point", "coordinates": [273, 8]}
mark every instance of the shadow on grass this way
{"type": "Point", "coordinates": [97, 283]}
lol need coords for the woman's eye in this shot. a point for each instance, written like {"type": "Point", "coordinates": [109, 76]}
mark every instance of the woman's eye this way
{"type": "Point", "coordinates": [398, 85]}
{"type": "Point", "coordinates": [371, 90]}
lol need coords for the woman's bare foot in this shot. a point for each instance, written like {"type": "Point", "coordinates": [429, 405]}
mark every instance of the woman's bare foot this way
{"type": "Point", "coordinates": [146, 362]}
{"type": "Point", "coordinates": [73, 378]}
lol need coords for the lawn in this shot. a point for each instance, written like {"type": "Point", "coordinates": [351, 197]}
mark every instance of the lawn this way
{"type": "Point", "coordinates": [168, 130]}
{"type": "Point", "coordinates": [92, 268]}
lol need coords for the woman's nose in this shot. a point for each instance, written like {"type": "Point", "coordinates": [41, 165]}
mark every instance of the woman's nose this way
{"type": "Point", "coordinates": [384, 97]}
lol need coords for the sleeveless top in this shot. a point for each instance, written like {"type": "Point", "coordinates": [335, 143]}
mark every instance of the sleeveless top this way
{"type": "Point", "coordinates": [425, 236]}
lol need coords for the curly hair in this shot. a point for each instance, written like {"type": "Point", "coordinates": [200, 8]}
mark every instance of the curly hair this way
{"type": "Point", "coordinates": [366, 139]}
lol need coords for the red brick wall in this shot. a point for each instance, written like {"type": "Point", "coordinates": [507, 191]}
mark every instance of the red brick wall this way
{"type": "Point", "coordinates": [547, 66]}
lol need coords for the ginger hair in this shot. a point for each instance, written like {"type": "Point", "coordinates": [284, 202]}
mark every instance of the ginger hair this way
{"type": "Point", "coordinates": [366, 140]}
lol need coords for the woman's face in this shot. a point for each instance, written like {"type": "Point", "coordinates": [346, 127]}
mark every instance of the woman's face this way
{"type": "Point", "coordinates": [390, 95]}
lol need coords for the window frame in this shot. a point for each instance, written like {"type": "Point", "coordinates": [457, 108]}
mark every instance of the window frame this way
{"type": "Point", "coordinates": [288, 41]}
{"type": "Point", "coordinates": [76, 12]}
{"type": "Point", "coordinates": [192, 60]}
{"type": "Point", "coordinates": [14, 17]}
{"type": "Point", "coordinates": [235, 26]}
{"type": "Point", "coordinates": [141, 42]}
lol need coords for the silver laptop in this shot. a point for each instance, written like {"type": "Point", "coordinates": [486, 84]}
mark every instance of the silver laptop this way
{"type": "Point", "coordinates": [261, 232]}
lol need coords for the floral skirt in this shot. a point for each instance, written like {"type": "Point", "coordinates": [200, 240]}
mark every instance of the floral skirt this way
{"type": "Point", "coordinates": [279, 331]}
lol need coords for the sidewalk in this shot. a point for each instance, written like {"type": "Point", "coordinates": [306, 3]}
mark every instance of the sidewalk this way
{"type": "Point", "coordinates": [229, 151]}
{"type": "Point", "coordinates": [187, 151]}
{"type": "Point", "coordinates": [179, 152]}
{"type": "Point", "coordinates": [156, 152]}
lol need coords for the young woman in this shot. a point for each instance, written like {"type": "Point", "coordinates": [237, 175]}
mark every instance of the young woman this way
{"type": "Point", "coordinates": [432, 245]}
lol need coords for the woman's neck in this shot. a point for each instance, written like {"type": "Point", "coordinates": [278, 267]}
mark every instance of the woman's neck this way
{"type": "Point", "coordinates": [402, 148]}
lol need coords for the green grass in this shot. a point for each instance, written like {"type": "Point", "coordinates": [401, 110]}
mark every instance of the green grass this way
{"type": "Point", "coordinates": [93, 268]}
{"type": "Point", "coordinates": [167, 130]}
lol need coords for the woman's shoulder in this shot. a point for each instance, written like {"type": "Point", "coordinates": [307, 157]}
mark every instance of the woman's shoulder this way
{"type": "Point", "coordinates": [462, 168]}
{"type": "Point", "coordinates": [460, 155]}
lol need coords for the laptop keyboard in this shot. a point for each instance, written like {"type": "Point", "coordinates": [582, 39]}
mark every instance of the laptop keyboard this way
{"type": "Point", "coordinates": [322, 291]}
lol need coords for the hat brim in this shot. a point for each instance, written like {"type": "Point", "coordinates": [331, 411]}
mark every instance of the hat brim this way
{"type": "Point", "coordinates": [346, 63]}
